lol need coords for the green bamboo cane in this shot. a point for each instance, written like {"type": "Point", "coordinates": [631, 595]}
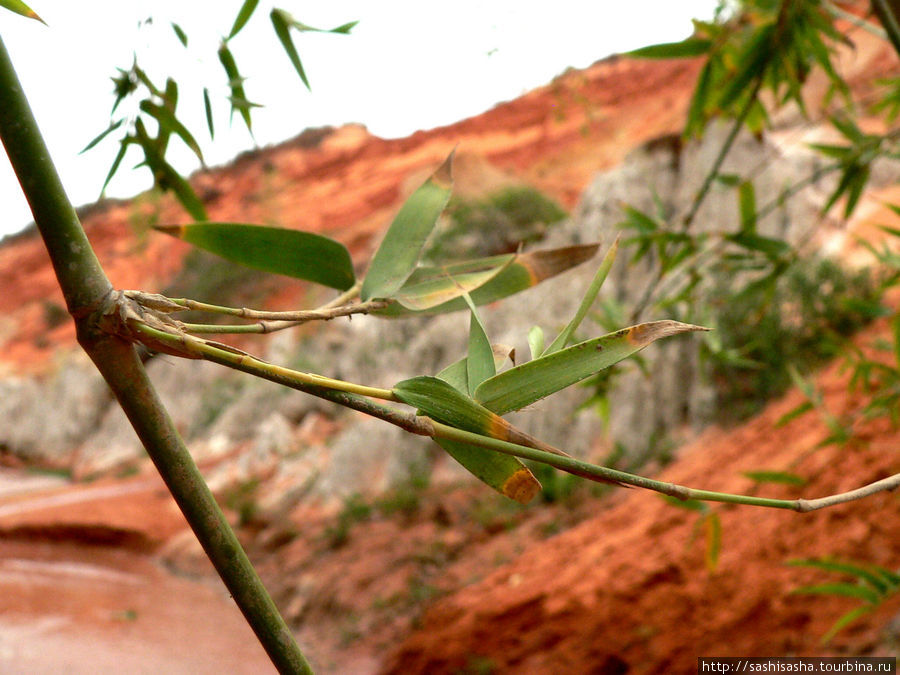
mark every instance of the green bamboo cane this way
{"type": "Point", "coordinates": [86, 287]}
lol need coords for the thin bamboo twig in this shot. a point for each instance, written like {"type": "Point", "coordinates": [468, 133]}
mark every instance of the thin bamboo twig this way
{"type": "Point", "coordinates": [86, 289]}
{"type": "Point", "coordinates": [295, 317]}
{"type": "Point", "coordinates": [426, 426]}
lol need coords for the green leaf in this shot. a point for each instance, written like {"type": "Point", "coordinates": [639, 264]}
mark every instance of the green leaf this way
{"type": "Point", "coordinates": [167, 120]}
{"type": "Point", "coordinates": [505, 473]}
{"type": "Point", "coordinates": [713, 525]}
{"type": "Point", "coordinates": [524, 271]}
{"type": "Point", "coordinates": [842, 589]}
{"type": "Point", "coordinates": [302, 255]}
{"type": "Point", "coordinates": [239, 100]}
{"type": "Point", "coordinates": [566, 335]}
{"type": "Point", "coordinates": [433, 286]}
{"type": "Point", "coordinates": [207, 106]}
{"type": "Point", "coordinates": [120, 155]}
{"type": "Point", "coordinates": [873, 577]}
{"type": "Point", "coordinates": [281, 22]}
{"type": "Point", "coordinates": [751, 65]}
{"type": "Point", "coordinates": [673, 50]}
{"type": "Point", "coordinates": [780, 477]}
{"type": "Point", "coordinates": [180, 34]}
{"type": "Point", "coordinates": [845, 620]}
{"type": "Point", "coordinates": [165, 175]}
{"type": "Point", "coordinates": [396, 257]}
{"type": "Point", "coordinates": [112, 127]}
{"type": "Point", "coordinates": [529, 382]}
{"type": "Point", "coordinates": [441, 401]}
{"type": "Point", "coordinates": [480, 358]}
{"type": "Point", "coordinates": [20, 7]}
{"type": "Point", "coordinates": [243, 17]}
{"type": "Point", "coordinates": [536, 341]}
{"type": "Point", "coordinates": [747, 204]}
{"type": "Point", "coordinates": [768, 246]}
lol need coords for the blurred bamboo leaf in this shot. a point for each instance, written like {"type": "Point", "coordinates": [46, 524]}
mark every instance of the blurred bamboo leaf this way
{"type": "Point", "coordinates": [302, 255]}
{"type": "Point", "coordinates": [243, 16]}
{"type": "Point", "coordinates": [524, 271]}
{"type": "Point", "coordinates": [103, 134]}
{"type": "Point", "coordinates": [529, 382]}
{"type": "Point", "coordinates": [602, 272]}
{"type": "Point", "coordinates": [396, 257]}
{"type": "Point", "coordinates": [873, 586]}
{"type": "Point", "coordinates": [713, 526]}
{"type": "Point", "coordinates": [747, 206]}
{"type": "Point", "coordinates": [167, 120]}
{"type": "Point", "coordinates": [165, 175]}
{"type": "Point", "coordinates": [207, 106]}
{"type": "Point", "coordinates": [779, 477]}
{"type": "Point", "coordinates": [283, 22]}
{"type": "Point", "coordinates": [20, 7]}
{"type": "Point", "coordinates": [673, 50]}
{"type": "Point", "coordinates": [180, 34]}
{"type": "Point", "coordinates": [480, 357]}
{"type": "Point", "coordinates": [239, 100]}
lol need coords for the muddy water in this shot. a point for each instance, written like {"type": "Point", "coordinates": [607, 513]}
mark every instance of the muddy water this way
{"type": "Point", "coordinates": [76, 607]}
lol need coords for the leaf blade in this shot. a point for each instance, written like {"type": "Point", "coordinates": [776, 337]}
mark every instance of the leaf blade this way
{"type": "Point", "coordinates": [590, 296]}
{"type": "Point", "coordinates": [523, 272]}
{"type": "Point", "coordinates": [396, 257]}
{"type": "Point", "coordinates": [529, 382]}
{"type": "Point", "coordinates": [302, 255]}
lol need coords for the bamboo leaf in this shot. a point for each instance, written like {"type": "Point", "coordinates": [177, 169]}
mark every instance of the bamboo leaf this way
{"type": "Point", "coordinates": [566, 335]}
{"type": "Point", "coordinates": [103, 134]}
{"type": "Point", "coordinates": [442, 401]}
{"type": "Point", "coordinates": [120, 155]}
{"type": "Point", "coordinates": [747, 204]}
{"type": "Point", "coordinates": [180, 34]}
{"type": "Point", "coordinates": [281, 22]}
{"type": "Point", "coordinates": [238, 99]}
{"type": "Point", "coordinates": [673, 50]}
{"type": "Point", "coordinates": [427, 288]}
{"type": "Point", "coordinates": [536, 341]}
{"type": "Point", "coordinates": [524, 271]}
{"type": "Point", "coordinates": [242, 17]}
{"type": "Point", "coordinates": [167, 120]}
{"type": "Point", "coordinates": [480, 357]}
{"type": "Point", "coordinates": [842, 589]}
{"type": "Point", "coordinates": [456, 374]}
{"type": "Point", "coordinates": [166, 176]}
{"type": "Point", "coordinates": [396, 257]}
{"type": "Point", "coordinates": [872, 577]}
{"type": "Point", "coordinates": [20, 7]}
{"type": "Point", "coordinates": [510, 478]}
{"type": "Point", "coordinates": [779, 477]}
{"type": "Point", "coordinates": [529, 382]}
{"type": "Point", "coordinates": [302, 255]}
{"type": "Point", "coordinates": [207, 106]}
{"type": "Point", "coordinates": [845, 620]}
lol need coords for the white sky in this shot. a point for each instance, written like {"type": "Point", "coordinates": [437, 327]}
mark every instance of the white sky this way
{"type": "Point", "coordinates": [408, 65]}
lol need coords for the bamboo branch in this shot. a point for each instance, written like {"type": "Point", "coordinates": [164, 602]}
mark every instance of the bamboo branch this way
{"type": "Point", "coordinates": [294, 317]}
{"type": "Point", "coordinates": [352, 396]}
{"type": "Point", "coordinates": [87, 290]}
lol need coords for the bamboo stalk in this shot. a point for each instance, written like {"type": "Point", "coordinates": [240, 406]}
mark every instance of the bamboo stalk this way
{"type": "Point", "coordinates": [86, 289]}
